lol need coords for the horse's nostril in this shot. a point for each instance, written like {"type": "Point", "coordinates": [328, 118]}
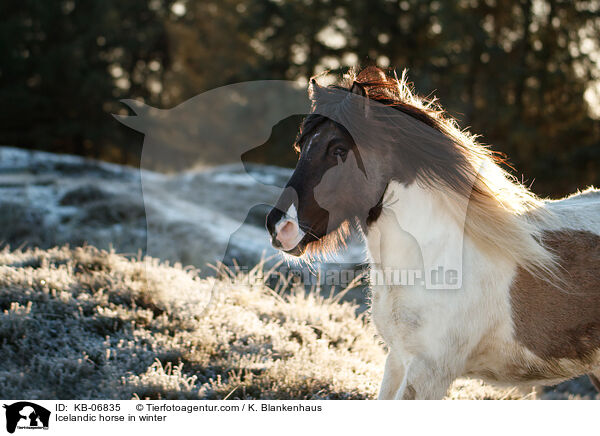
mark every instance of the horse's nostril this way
{"type": "Point", "coordinates": [275, 242]}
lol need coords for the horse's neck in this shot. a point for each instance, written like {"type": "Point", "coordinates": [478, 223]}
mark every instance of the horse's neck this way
{"type": "Point", "coordinates": [415, 231]}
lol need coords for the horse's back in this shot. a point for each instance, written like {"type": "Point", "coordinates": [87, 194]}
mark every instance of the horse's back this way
{"type": "Point", "coordinates": [580, 211]}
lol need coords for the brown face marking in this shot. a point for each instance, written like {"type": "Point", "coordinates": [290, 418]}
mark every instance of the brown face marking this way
{"type": "Point", "coordinates": [561, 323]}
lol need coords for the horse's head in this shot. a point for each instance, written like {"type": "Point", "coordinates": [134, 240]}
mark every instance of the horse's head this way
{"type": "Point", "coordinates": [337, 181]}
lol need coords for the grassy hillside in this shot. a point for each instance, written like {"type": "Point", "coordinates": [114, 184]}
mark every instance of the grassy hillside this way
{"type": "Point", "coordinates": [83, 323]}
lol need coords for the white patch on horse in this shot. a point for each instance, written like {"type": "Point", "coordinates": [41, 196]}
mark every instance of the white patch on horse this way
{"type": "Point", "coordinates": [292, 213]}
{"type": "Point", "coordinates": [311, 141]}
{"type": "Point", "coordinates": [291, 216]}
{"type": "Point", "coordinates": [424, 328]}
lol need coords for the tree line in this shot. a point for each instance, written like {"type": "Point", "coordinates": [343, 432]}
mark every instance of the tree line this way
{"type": "Point", "coordinates": [521, 73]}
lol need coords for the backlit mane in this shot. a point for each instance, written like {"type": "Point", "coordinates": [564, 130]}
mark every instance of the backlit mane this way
{"type": "Point", "coordinates": [503, 216]}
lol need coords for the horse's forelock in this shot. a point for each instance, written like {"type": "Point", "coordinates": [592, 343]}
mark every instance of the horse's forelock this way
{"type": "Point", "coordinates": [385, 90]}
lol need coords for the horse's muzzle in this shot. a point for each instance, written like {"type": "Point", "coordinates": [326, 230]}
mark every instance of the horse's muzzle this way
{"type": "Point", "coordinates": [284, 229]}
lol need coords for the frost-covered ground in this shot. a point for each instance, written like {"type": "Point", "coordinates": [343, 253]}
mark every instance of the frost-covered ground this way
{"type": "Point", "coordinates": [82, 323]}
{"type": "Point", "coordinates": [50, 199]}
{"type": "Point", "coordinates": [195, 217]}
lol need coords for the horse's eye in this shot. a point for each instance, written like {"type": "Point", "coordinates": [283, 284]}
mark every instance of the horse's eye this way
{"type": "Point", "coordinates": [339, 151]}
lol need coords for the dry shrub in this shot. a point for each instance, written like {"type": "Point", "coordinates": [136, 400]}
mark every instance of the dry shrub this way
{"type": "Point", "coordinates": [84, 323]}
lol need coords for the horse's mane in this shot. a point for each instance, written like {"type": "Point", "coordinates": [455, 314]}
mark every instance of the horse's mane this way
{"type": "Point", "coordinates": [503, 216]}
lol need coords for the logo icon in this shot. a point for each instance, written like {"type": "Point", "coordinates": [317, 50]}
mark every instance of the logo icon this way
{"type": "Point", "coordinates": [26, 415]}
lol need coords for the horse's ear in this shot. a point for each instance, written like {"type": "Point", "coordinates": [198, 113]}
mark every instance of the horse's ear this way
{"type": "Point", "coordinates": [360, 90]}
{"type": "Point", "coordinates": [313, 87]}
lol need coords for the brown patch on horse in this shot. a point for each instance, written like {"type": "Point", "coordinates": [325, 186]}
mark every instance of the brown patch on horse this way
{"type": "Point", "coordinates": [561, 323]}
